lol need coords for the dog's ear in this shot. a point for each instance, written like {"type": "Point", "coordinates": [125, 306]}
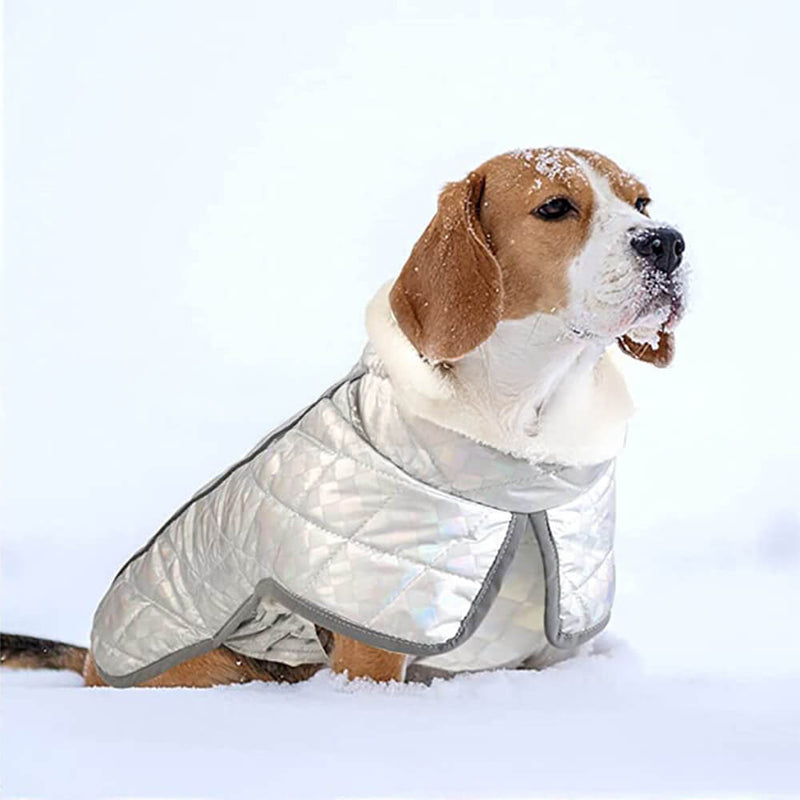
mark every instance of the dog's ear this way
{"type": "Point", "coordinates": [449, 296]}
{"type": "Point", "coordinates": [660, 356]}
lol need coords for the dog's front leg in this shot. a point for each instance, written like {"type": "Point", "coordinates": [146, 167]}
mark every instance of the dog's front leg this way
{"type": "Point", "coordinates": [359, 660]}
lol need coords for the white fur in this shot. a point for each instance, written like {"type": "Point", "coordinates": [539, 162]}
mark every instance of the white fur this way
{"type": "Point", "coordinates": [532, 389]}
{"type": "Point", "coordinates": [544, 388]}
{"type": "Point", "coordinates": [611, 291]}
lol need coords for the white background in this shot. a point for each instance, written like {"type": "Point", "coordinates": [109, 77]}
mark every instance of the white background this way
{"type": "Point", "coordinates": [200, 198]}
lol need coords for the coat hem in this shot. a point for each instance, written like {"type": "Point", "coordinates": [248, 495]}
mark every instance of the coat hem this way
{"type": "Point", "coordinates": [320, 616]}
{"type": "Point", "coordinates": [557, 637]}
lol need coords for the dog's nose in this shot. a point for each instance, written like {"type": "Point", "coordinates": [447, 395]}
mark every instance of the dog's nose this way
{"type": "Point", "coordinates": [661, 247]}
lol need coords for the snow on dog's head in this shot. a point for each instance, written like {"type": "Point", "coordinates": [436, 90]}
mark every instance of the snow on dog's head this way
{"type": "Point", "coordinates": [554, 231]}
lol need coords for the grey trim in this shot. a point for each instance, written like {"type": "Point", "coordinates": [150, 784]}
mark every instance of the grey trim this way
{"type": "Point", "coordinates": [245, 611]}
{"type": "Point", "coordinates": [356, 372]}
{"type": "Point", "coordinates": [478, 610]}
{"type": "Point", "coordinates": [552, 609]}
{"type": "Point", "coordinates": [313, 613]}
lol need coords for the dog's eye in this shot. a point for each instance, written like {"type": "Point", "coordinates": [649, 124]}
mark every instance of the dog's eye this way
{"type": "Point", "coordinates": [641, 204]}
{"type": "Point", "coordinates": [553, 209]}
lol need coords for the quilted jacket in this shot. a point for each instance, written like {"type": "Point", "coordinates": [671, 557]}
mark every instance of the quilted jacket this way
{"type": "Point", "coordinates": [368, 521]}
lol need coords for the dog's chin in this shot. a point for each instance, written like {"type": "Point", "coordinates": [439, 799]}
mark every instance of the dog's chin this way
{"type": "Point", "coordinates": [652, 337]}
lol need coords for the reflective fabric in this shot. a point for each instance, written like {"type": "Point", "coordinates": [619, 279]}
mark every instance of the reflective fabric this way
{"type": "Point", "coordinates": [457, 464]}
{"type": "Point", "coordinates": [383, 527]}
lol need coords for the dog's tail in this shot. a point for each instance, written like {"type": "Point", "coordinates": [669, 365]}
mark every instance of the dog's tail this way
{"type": "Point", "coordinates": [28, 652]}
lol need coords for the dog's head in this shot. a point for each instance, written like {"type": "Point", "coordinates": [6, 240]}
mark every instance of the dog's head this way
{"type": "Point", "coordinates": [557, 231]}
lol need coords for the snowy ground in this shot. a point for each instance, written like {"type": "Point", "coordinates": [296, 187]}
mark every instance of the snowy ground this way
{"type": "Point", "coordinates": [199, 200]}
{"type": "Point", "coordinates": [592, 727]}
{"type": "Point", "coordinates": [702, 705]}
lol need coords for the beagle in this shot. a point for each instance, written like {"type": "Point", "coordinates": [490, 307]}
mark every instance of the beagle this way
{"type": "Point", "coordinates": [501, 327]}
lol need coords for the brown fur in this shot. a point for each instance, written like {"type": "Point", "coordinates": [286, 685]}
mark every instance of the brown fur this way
{"type": "Point", "coordinates": [448, 298]}
{"type": "Point", "coordinates": [223, 666]}
{"type": "Point", "coordinates": [533, 253]}
{"type": "Point", "coordinates": [29, 652]}
{"type": "Point", "coordinates": [624, 184]}
{"type": "Point", "coordinates": [660, 356]}
{"type": "Point", "coordinates": [216, 668]}
{"type": "Point", "coordinates": [483, 257]}
{"type": "Point", "coordinates": [359, 660]}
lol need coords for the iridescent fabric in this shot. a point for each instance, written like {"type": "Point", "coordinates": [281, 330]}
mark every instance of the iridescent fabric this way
{"type": "Point", "coordinates": [384, 527]}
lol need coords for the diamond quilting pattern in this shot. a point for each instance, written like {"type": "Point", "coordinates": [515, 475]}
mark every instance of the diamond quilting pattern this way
{"type": "Point", "coordinates": [583, 534]}
{"type": "Point", "coordinates": [329, 518]}
{"type": "Point", "coordinates": [321, 512]}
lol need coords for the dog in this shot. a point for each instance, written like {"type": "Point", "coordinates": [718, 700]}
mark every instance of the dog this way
{"type": "Point", "coordinates": [500, 330]}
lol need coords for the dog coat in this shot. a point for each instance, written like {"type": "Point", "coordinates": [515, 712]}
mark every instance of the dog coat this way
{"type": "Point", "coordinates": [365, 520]}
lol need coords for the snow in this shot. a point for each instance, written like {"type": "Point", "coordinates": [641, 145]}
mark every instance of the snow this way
{"type": "Point", "coordinates": [592, 726]}
{"type": "Point", "coordinates": [199, 202]}
{"type": "Point", "coordinates": [671, 702]}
